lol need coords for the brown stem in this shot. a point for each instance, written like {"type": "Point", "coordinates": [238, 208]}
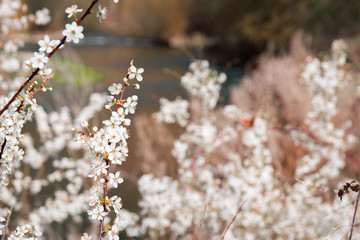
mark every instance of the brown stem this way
{"type": "Point", "coordinates": [120, 100]}
{"type": "Point", "coordinates": [7, 223]}
{"type": "Point", "coordinates": [202, 222]}
{"type": "Point", "coordinates": [232, 220]}
{"type": "Point", "coordinates": [353, 220]}
{"type": "Point", "coordinates": [107, 172]}
{"type": "Point", "coordinates": [101, 228]}
{"type": "Point", "coordinates": [104, 198]}
{"type": "Point", "coordinates": [34, 73]}
{"type": "Point", "coordinates": [87, 12]}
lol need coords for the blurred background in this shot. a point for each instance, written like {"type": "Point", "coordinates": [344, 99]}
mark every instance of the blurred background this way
{"type": "Point", "coordinates": [165, 36]}
{"type": "Point", "coordinates": [227, 31]}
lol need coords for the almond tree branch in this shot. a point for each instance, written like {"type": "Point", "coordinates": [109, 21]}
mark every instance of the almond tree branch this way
{"type": "Point", "coordinates": [106, 175]}
{"type": "Point", "coordinates": [104, 199]}
{"type": "Point", "coordinates": [7, 223]}
{"type": "Point", "coordinates": [35, 72]}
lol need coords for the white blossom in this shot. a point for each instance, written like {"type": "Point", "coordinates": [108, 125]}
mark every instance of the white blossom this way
{"type": "Point", "coordinates": [86, 236]}
{"type": "Point", "coordinates": [73, 32]}
{"type": "Point", "coordinates": [115, 89]}
{"type": "Point", "coordinates": [115, 179]}
{"type": "Point", "coordinates": [72, 10]}
{"type": "Point", "coordinates": [97, 213]}
{"type": "Point", "coordinates": [39, 60]}
{"type": "Point", "coordinates": [203, 82]}
{"type": "Point", "coordinates": [130, 105]}
{"type": "Point", "coordinates": [42, 17]}
{"type": "Point", "coordinates": [136, 72]}
{"type": "Point", "coordinates": [173, 111]}
{"type": "Point", "coordinates": [46, 45]}
{"type": "Point", "coordinates": [101, 14]}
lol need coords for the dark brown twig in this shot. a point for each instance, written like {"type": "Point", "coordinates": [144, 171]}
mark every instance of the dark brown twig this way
{"type": "Point", "coordinates": [2, 150]}
{"type": "Point", "coordinates": [87, 12]}
{"type": "Point", "coordinates": [33, 74]}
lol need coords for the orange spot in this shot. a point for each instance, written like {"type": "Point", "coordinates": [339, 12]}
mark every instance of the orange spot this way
{"type": "Point", "coordinates": [248, 122]}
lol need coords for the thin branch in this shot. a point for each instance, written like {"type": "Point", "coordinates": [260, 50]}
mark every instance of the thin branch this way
{"type": "Point", "coordinates": [232, 221]}
{"type": "Point", "coordinates": [87, 12]}
{"type": "Point", "coordinates": [7, 223]}
{"type": "Point", "coordinates": [332, 231]}
{"type": "Point", "coordinates": [353, 220]}
{"type": "Point", "coordinates": [101, 228]}
{"type": "Point", "coordinates": [104, 199]}
{"type": "Point", "coordinates": [35, 72]}
{"type": "Point", "coordinates": [202, 222]}
{"type": "Point", "coordinates": [120, 103]}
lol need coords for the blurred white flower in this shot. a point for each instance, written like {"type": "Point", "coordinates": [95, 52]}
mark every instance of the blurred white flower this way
{"type": "Point", "coordinates": [42, 17]}
{"type": "Point", "coordinates": [86, 236]}
{"type": "Point", "coordinates": [45, 73]}
{"type": "Point", "coordinates": [101, 14]}
{"type": "Point", "coordinates": [173, 111]}
{"type": "Point", "coordinates": [72, 10]}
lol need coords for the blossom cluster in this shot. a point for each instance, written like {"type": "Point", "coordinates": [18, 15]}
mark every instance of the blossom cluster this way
{"type": "Point", "coordinates": [107, 149]}
{"type": "Point", "coordinates": [26, 232]}
{"type": "Point", "coordinates": [13, 18]}
{"type": "Point", "coordinates": [203, 82]}
{"type": "Point", "coordinates": [323, 79]}
{"type": "Point", "coordinates": [220, 186]}
{"type": "Point", "coordinates": [21, 109]}
{"type": "Point", "coordinates": [173, 111]}
{"type": "Point", "coordinates": [10, 21]}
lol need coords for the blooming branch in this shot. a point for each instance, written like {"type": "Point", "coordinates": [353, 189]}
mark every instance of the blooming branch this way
{"type": "Point", "coordinates": [35, 72]}
{"type": "Point", "coordinates": [108, 147]}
